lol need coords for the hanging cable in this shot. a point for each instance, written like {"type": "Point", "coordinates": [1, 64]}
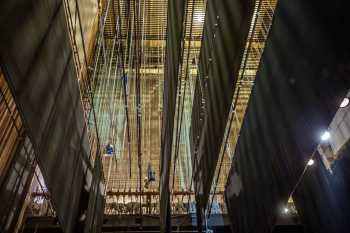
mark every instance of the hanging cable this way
{"type": "Point", "coordinates": [179, 122]}
{"type": "Point", "coordinates": [125, 84]}
{"type": "Point", "coordinates": [178, 91]}
{"type": "Point", "coordinates": [137, 62]}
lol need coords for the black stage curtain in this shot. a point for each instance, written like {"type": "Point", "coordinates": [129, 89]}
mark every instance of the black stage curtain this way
{"type": "Point", "coordinates": [95, 211]}
{"type": "Point", "coordinates": [303, 76]}
{"type": "Point", "coordinates": [36, 57]}
{"type": "Point", "coordinates": [173, 52]}
{"type": "Point", "coordinates": [322, 198]}
{"type": "Point", "coordinates": [225, 33]}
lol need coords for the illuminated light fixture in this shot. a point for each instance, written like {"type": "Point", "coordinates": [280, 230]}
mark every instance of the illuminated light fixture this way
{"type": "Point", "coordinates": [198, 17]}
{"type": "Point", "coordinates": [325, 136]}
{"type": "Point", "coordinates": [344, 103]}
{"type": "Point", "coordinates": [285, 210]}
{"type": "Point", "coordinates": [310, 162]}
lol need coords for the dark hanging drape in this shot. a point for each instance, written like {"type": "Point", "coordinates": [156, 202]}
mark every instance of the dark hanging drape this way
{"type": "Point", "coordinates": [172, 59]}
{"type": "Point", "coordinates": [37, 60]}
{"type": "Point", "coordinates": [224, 37]}
{"type": "Point", "coordinates": [322, 198]}
{"type": "Point", "coordinates": [303, 76]}
{"type": "Point", "coordinates": [95, 211]}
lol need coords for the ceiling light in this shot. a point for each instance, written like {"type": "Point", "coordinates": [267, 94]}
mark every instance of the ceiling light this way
{"type": "Point", "coordinates": [344, 103]}
{"type": "Point", "coordinates": [325, 136]}
{"type": "Point", "coordinates": [310, 162]}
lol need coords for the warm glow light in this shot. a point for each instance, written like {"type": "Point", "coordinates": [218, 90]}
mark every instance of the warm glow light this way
{"type": "Point", "coordinates": [344, 103]}
{"type": "Point", "coordinates": [310, 162]}
{"type": "Point", "coordinates": [285, 210]}
{"type": "Point", "coordinates": [325, 136]}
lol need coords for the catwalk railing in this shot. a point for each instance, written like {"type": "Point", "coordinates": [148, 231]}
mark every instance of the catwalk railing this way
{"type": "Point", "coordinates": [128, 203]}
{"type": "Point", "coordinates": [16, 161]}
{"type": "Point", "coordinates": [84, 32]}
